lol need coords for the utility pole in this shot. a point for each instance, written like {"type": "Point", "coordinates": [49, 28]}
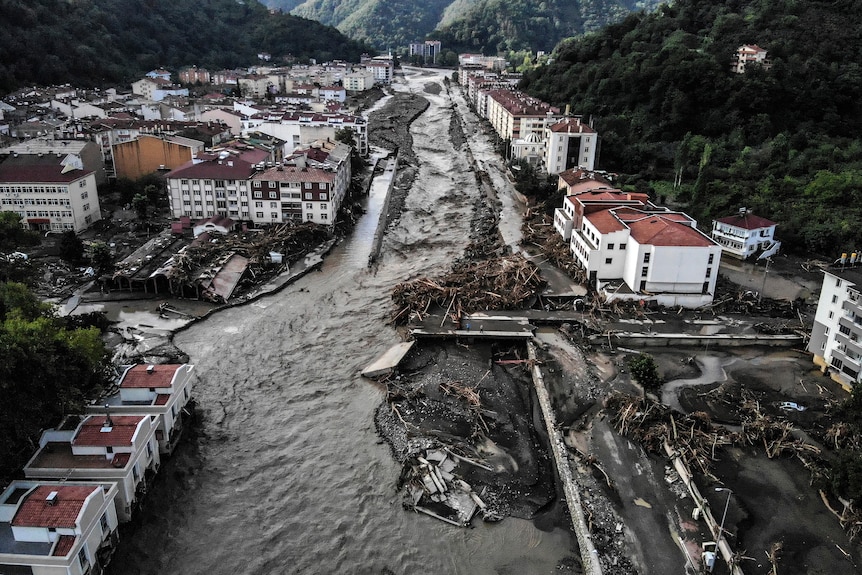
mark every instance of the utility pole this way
{"type": "Point", "coordinates": [763, 287]}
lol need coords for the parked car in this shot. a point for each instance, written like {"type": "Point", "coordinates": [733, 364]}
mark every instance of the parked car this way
{"type": "Point", "coordinates": [791, 406]}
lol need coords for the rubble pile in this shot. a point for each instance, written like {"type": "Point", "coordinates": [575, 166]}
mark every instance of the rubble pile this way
{"type": "Point", "coordinates": [538, 230]}
{"type": "Point", "coordinates": [292, 241]}
{"type": "Point", "coordinates": [509, 282]}
{"type": "Point", "coordinates": [463, 432]}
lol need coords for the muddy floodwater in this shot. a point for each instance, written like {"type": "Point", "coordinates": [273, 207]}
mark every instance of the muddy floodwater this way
{"type": "Point", "coordinates": [286, 473]}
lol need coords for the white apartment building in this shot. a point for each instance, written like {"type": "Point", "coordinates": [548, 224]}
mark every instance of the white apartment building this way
{"type": "Point", "coordinates": [569, 143]}
{"type": "Point", "coordinates": [159, 391]}
{"type": "Point", "coordinates": [118, 449]}
{"type": "Point", "coordinates": [55, 196]}
{"type": "Point", "coordinates": [837, 331]}
{"type": "Point", "coordinates": [203, 189]}
{"type": "Point", "coordinates": [66, 528]}
{"type": "Point", "coordinates": [636, 254]}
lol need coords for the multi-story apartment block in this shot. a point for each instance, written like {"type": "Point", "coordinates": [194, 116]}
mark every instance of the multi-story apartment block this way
{"type": "Point", "coordinates": [569, 143]}
{"type": "Point", "coordinates": [118, 449]}
{"type": "Point", "coordinates": [428, 50]}
{"type": "Point", "coordinates": [161, 392]}
{"type": "Point", "coordinates": [359, 81]}
{"type": "Point", "coordinates": [57, 196]}
{"type": "Point", "coordinates": [308, 186]}
{"type": "Point", "coordinates": [745, 234]}
{"type": "Point", "coordinates": [157, 89]}
{"type": "Point", "coordinates": [836, 337]}
{"type": "Point", "coordinates": [514, 114]}
{"type": "Point", "coordinates": [194, 75]}
{"type": "Point", "coordinates": [66, 528]}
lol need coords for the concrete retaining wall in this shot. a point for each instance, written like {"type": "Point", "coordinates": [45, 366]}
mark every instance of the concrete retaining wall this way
{"type": "Point", "coordinates": [589, 555]}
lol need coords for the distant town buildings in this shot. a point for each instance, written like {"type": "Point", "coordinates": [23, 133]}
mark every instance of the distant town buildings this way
{"type": "Point", "coordinates": [427, 51]}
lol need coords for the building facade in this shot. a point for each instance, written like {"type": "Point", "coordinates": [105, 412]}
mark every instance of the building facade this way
{"type": "Point", "coordinates": [67, 528]}
{"type": "Point", "coordinates": [836, 337]}
{"type": "Point", "coordinates": [745, 235]}
{"type": "Point", "coordinates": [50, 197]}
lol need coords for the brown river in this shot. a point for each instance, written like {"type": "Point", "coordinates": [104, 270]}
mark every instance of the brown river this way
{"type": "Point", "coordinates": [286, 473]}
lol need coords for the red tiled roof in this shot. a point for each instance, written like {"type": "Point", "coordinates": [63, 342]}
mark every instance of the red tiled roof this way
{"type": "Point", "coordinates": [747, 222]}
{"type": "Point", "coordinates": [605, 222]}
{"type": "Point", "coordinates": [35, 511]}
{"type": "Point", "coordinates": [572, 126]}
{"type": "Point", "coordinates": [160, 378]}
{"type": "Point", "coordinates": [64, 545]}
{"type": "Point", "coordinates": [573, 176]}
{"type": "Point", "coordinates": [657, 230]}
{"type": "Point", "coordinates": [40, 174]}
{"type": "Point", "coordinates": [122, 429]}
{"type": "Point", "coordinates": [290, 174]}
{"type": "Point", "coordinates": [162, 398]}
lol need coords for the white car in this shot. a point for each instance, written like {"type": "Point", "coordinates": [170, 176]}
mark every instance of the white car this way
{"type": "Point", "coordinates": [791, 406]}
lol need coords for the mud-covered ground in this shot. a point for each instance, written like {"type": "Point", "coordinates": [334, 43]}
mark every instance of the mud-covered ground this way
{"type": "Point", "coordinates": [501, 432]}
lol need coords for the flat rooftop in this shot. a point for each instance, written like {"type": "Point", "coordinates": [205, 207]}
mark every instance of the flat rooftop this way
{"type": "Point", "coordinates": [9, 545]}
{"type": "Point", "coordinates": [58, 455]}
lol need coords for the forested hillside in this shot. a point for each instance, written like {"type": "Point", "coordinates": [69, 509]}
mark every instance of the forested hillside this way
{"type": "Point", "coordinates": [383, 23]}
{"type": "Point", "coordinates": [783, 141]}
{"type": "Point", "coordinates": [487, 26]}
{"type": "Point", "coordinates": [99, 42]}
{"type": "Point", "coordinates": [492, 26]}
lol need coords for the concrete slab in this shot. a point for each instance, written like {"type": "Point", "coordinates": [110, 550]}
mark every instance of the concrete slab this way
{"type": "Point", "coordinates": [386, 363]}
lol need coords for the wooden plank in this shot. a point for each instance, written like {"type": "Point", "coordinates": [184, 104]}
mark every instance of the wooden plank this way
{"type": "Point", "coordinates": [386, 363]}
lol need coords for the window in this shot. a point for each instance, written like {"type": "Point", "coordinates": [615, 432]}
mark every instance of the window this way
{"type": "Point", "coordinates": [646, 258]}
{"type": "Point", "coordinates": [109, 449]}
{"type": "Point", "coordinates": [308, 196]}
{"type": "Point", "coordinates": [609, 260]}
{"type": "Point", "coordinates": [84, 195]}
{"type": "Point", "coordinates": [258, 194]}
{"type": "Point", "coordinates": [256, 183]}
{"type": "Point", "coordinates": [259, 215]}
{"type": "Point", "coordinates": [826, 331]}
{"type": "Point", "coordinates": [831, 315]}
{"type": "Point", "coordinates": [86, 207]}
{"type": "Point", "coordinates": [643, 286]}
{"type": "Point", "coordinates": [309, 206]}
{"type": "Point", "coordinates": [323, 196]}
{"type": "Point", "coordinates": [838, 282]}
{"type": "Point", "coordinates": [307, 186]}
{"type": "Point", "coordinates": [273, 205]}
{"type": "Point", "coordinates": [273, 215]}
{"type": "Point", "coordinates": [309, 216]}
{"type": "Point", "coordinates": [711, 257]}
{"type": "Point", "coordinates": [272, 184]}
{"type": "Point", "coordinates": [258, 204]}
{"type": "Point", "coordinates": [82, 558]}
{"type": "Point", "coordinates": [709, 272]}
{"type": "Point", "coordinates": [610, 246]}
{"type": "Point", "coordinates": [104, 523]}
{"type": "Point", "coordinates": [149, 450]}
{"type": "Point", "coordinates": [834, 299]}
{"type": "Point", "coordinates": [644, 271]}
{"type": "Point", "coordinates": [843, 328]}
{"type": "Point", "coordinates": [622, 246]}
{"type": "Point", "coordinates": [324, 217]}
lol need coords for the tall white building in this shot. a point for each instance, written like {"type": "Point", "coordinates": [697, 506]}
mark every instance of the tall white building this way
{"type": "Point", "coordinates": [836, 337]}
{"type": "Point", "coordinates": [55, 196]}
{"type": "Point", "coordinates": [570, 143]}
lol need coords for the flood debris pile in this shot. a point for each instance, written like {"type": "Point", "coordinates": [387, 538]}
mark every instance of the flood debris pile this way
{"type": "Point", "coordinates": [697, 441]}
{"type": "Point", "coordinates": [196, 265]}
{"type": "Point", "coordinates": [461, 425]}
{"type": "Point", "coordinates": [433, 489]}
{"type": "Point", "coordinates": [509, 282]}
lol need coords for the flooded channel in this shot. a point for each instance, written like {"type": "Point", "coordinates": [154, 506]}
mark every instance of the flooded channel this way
{"type": "Point", "coordinates": [287, 473]}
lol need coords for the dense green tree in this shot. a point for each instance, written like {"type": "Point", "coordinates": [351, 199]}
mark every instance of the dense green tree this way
{"type": "Point", "coordinates": [101, 258]}
{"type": "Point", "coordinates": [644, 370]}
{"type": "Point", "coordinates": [71, 247]}
{"type": "Point", "coordinates": [46, 371]}
{"type": "Point", "coordinates": [12, 235]}
{"type": "Point", "coordinates": [141, 204]}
